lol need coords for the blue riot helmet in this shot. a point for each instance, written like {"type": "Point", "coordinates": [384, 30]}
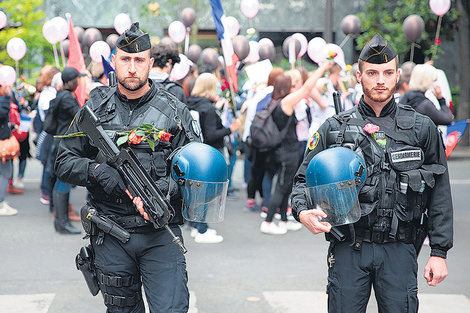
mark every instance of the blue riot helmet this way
{"type": "Point", "coordinates": [201, 172]}
{"type": "Point", "coordinates": [334, 177]}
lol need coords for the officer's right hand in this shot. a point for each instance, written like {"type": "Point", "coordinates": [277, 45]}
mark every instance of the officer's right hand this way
{"type": "Point", "coordinates": [309, 218]}
{"type": "Point", "coordinates": [109, 178]}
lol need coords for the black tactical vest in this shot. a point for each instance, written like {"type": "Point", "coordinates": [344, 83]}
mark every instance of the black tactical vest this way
{"type": "Point", "coordinates": [398, 183]}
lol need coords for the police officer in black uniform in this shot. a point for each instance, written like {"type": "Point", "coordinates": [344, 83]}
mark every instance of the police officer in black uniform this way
{"type": "Point", "coordinates": [149, 257]}
{"type": "Point", "coordinates": [405, 150]}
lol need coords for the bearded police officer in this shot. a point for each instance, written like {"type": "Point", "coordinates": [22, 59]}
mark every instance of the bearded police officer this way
{"type": "Point", "coordinates": [407, 188]}
{"type": "Point", "coordinates": [149, 257]}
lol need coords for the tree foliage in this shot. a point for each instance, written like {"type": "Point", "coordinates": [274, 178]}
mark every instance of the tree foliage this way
{"type": "Point", "coordinates": [25, 20]}
{"type": "Point", "coordinates": [387, 16]}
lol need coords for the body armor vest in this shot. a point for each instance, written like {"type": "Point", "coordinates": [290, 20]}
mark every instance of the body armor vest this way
{"type": "Point", "coordinates": [398, 183]}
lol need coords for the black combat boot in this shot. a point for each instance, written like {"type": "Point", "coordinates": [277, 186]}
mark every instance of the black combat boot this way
{"type": "Point", "coordinates": [61, 206]}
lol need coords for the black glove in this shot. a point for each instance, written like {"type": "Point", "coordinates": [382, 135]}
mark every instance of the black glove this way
{"type": "Point", "coordinates": [164, 184]}
{"type": "Point", "coordinates": [108, 177]}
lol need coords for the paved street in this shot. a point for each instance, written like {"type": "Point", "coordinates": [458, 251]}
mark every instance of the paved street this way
{"type": "Point", "coordinates": [248, 272]}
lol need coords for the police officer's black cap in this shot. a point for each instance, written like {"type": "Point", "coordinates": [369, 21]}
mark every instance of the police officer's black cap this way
{"type": "Point", "coordinates": [377, 51]}
{"type": "Point", "coordinates": [133, 40]}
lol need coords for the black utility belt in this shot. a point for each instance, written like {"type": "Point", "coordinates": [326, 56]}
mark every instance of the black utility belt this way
{"type": "Point", "coordinates": [112, 199]}
{"type": "Point", "coordinates": [406, 235]}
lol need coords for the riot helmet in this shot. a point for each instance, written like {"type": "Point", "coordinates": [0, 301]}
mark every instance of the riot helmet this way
{"type": "Point", "coordinates": [334, 177]}
{"type": "Point", "coordinates": [202, 175]}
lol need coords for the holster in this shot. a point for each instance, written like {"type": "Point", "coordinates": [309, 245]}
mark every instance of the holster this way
{"type": "Point", "coordinates": [95, 224]}
{"type": "Point", "coordinates": [85, 264]}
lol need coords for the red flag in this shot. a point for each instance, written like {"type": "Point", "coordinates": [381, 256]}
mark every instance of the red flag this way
{"type": "Point", "coordinates": [76, 60]}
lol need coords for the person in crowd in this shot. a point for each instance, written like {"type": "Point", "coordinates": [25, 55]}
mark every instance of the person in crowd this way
{"type": "Point", "coordinates": [165, 57]}
{"type": "Point", "coordinates": [48, 83]}
{"type": "Point", "coordinates": [6, 166]}
{"type": "Point", "coordinates": [380, 249]}
{"type": "Point", "coordinates": [98, 75]}
{"type": "Point", "coordinates": [422, 78]}
{"type": "Point", "coordinates": [203, 100]}
{"type": "Point", "coordinates": [65, 108]}
{"type": "Point", "coordinates": [286, 98]}
{"type": "Point", "coordinates": [260, 176]}
{"type": "Point", "coordinates": [149, 259]}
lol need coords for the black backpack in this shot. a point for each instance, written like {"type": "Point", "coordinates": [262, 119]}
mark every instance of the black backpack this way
{"type": "Point", "coordinates": [264, 133]}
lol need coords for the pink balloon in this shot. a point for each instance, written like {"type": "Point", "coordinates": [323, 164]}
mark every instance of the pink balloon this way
{"type": "Point", "coordinates": [7, 75]}
{"type": "Point", "coordinates": [98, 49]}
{"type": "Point", "coordinates": [16, 48]}
{"type": "Point", "coordinates": [315, 50]}
{"type": "Point", "coordinates": [181, 69]}
{"type": "Point", "coordinates": [61, 28]}
{"type": "Point", "coordinates": [122, 22]}
{"type": "Point", "coordinates": [249, 8]}
{"type": "Point", "coordinates": [439, 7]}
{"type": "Point", "coordinates": [233, 27]}
{"type": "Point", "coordinates": [3, 19]}
{"type": "Point", "coordinates": [49, 32]}
{"type": "Point", "coordinates": [303, 43]}
{"type": "Point", "coordinates": [253, 55]}
{"type": "Point", "coordinates": [177, 31]}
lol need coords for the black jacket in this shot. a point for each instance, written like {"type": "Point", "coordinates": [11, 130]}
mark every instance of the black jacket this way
{"type": "Point", "coordinates": [211, 125]}
{"type": "Point", "coordinates": [418, 101]}
{"type": "Point", "coordinates": [173, 87]}
{"type": "Point", "coordinates": [67, 107]}
{"type": "Point", "coordinates": [5, 117]}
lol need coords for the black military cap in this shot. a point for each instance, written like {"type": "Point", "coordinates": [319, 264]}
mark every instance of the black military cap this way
{"type": "Point", "coordinates": [377, 51]}
{"type": "Point", "coordinates": [133, 40]}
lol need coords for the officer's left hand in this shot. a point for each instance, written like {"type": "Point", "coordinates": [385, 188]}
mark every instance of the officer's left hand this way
{"type": "Point", "coordinates": [140, 206]}
{"type": "Point", "coordinates": [435, 270]}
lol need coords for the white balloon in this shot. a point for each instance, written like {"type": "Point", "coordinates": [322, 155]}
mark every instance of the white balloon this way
{"type": "Point", "coordinates": [177, 31]}
{"type": "Point", "coordinates": [122, 22]}
{"type": "Point", "coordinates": [253, 56]}
{"type": "Point", "coordinates": [16, 48]}
{"type": "Point", "coordinates": [3, 19]}
{"type": "Point", "coordinates": [249, 8]}
{"type": "Point", "coordinates": [49, 32]}
{"type": "Point", "coordinates": [315, 50]}
{"type": "Point", "coordinates": [303, 43]}
{"type": "Point", "coordinates": [181, 69]}
{"type": "Point", "coordinates": [98, 49]}
{"type": "Point", "coordinates": [61, 28]}
{"type": "Point", "coordinates": [265, 41]}
{"type": "Point", "coordinates": [7, 75]}
{"type": "Point", "coordinates": [233, 27]}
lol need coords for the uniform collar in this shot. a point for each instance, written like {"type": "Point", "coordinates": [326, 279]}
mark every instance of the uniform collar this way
{"type": "Point", "coordinates": [366, 110]}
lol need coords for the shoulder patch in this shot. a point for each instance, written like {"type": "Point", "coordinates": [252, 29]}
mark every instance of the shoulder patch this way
{"type": "Point", "coordinates": [313, 142]}
{"type": "Point", "coordinates": [195, 127]}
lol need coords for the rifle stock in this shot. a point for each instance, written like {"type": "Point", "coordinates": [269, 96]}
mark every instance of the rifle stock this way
{"type": "Point", "coordinates": [337, 102]}
{"type": "Point", "coordinates": [138, 181]}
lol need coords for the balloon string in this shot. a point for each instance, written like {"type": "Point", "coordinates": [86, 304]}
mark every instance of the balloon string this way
{"type": "Point", "coordinates": [62, 53]}
{"type": "Point", "coordinates": [412, 52]}
{"type": "Point", "coordinates": [186, 41]}
{"type": "Point", "coordinates": [17, 70]}
{"type": "Point", "coordinates": [437, 36]}
{"type": "Point", "coordinates": [345, 40]}
{"type": "Point", "coordinates": [56, 56]}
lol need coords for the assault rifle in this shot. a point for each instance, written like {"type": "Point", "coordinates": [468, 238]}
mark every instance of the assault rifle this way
{"type": "Point", "coordinates": [138, 181]}
{"type": "Point", "coordinates": [337, 102]}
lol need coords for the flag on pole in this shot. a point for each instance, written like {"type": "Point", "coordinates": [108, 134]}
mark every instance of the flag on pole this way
{"type": "Point", "coordinates": [106, 66]}
{"type": "Point", "coordinates": [76, 60]}
{"type": "Point", "coordinates": [454, 132]}
{"type": "Point", "coordinates": [230, 57]}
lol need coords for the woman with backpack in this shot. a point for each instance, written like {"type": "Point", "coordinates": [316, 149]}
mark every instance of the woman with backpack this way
{"type": "Point", "coordinates": [286, 155]}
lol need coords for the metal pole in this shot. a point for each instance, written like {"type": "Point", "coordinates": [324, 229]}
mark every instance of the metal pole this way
{"type": "Point", "coordinates": [328, 27]}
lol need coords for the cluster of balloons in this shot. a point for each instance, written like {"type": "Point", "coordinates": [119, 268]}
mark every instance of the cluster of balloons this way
{"type": "Point", "coordinates": [177, 29]}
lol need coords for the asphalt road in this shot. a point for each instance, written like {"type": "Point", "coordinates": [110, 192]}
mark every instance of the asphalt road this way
{"type": "Point", "coordinates": [247, 272]}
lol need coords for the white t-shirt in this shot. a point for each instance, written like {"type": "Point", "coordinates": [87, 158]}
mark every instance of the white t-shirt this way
{"type": "Point", "coordinates": [47, 94]}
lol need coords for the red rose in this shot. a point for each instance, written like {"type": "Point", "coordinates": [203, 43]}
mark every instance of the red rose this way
{"type": "Point", "coordinates": [437, 41]}
{"type": "Point", "coordinates": [371, 128]}
{"type": "Point", "coordinates": [164, 136]}
{"type": "Point", "coordinates": [224, 84]}
{"type": "Point", "coordinates": [133, 138]}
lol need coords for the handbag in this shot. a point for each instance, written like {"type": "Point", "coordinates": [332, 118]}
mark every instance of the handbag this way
{"type": "Point", "coordinates": [9, 148]}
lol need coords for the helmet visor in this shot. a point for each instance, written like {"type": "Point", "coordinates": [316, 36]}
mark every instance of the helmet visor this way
{"type": "Point", "coordinates": [203, 201]}
{"type": "Point", "coordinates": [338, 200]}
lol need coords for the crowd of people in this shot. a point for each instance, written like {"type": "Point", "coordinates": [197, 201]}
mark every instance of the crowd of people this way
{"type": "Point", "coordinates": [301, 105]}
